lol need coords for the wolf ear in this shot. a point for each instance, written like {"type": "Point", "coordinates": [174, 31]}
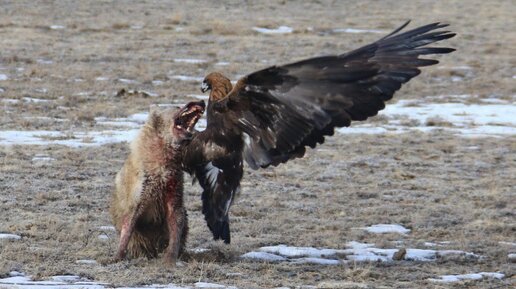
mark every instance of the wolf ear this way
{"type": "Point", "coordinates": [155, 120]}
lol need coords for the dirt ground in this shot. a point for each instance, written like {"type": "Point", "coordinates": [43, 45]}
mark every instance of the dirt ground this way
{"type": "Point", "coordinates": [78, 54]}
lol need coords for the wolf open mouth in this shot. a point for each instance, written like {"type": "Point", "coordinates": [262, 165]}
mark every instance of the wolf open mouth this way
{"type": "Point", "coordinates": [188, 116]}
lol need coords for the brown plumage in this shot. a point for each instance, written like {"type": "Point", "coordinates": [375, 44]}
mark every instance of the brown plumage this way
{"type": "Point", "coordinates": [220, 87]}
{"type": "Point", "coordinates": [147, 204]}
{"type": "Point", "coordinates": [270, 116]}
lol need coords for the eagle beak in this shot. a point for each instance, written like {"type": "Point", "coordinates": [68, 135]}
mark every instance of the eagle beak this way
{"type": "Point", "coordinates": [204, 87]}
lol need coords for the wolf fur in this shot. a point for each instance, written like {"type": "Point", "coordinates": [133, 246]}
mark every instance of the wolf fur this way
{"type": "Point", "coordinates": [147, 204]}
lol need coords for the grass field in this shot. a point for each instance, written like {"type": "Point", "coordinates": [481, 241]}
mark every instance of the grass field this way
{"type": "Point", "coordinates": [63, 65]}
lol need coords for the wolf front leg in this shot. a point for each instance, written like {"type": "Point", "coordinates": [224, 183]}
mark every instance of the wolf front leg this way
{"type": "Point", "coordinates": [177, 230]}
{"type": "Point", "coordinates": [126, 231]}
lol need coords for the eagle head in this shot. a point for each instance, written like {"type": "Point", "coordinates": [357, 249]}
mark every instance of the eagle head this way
{"type": "Point", "coordinates": [219, 85]}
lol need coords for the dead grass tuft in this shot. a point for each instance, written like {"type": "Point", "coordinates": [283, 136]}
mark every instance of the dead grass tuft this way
{"type": "Point", "coordinates": [438, 121]}
{"type": "Point", "coordinates": [120, 26]}
{"type": "Point", "coordinates": [176, 19]}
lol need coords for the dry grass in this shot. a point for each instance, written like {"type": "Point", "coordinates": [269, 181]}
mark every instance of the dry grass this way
{"type": "Point", "coordinates": [442, 187]}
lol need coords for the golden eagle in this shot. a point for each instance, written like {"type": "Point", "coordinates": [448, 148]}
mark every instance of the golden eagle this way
{"type": "Point", "coordinates": [270, 116]}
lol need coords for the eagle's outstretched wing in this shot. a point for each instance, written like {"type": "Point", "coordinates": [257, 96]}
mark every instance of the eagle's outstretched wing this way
{"type": "Point", "coordinates": [283, 109]}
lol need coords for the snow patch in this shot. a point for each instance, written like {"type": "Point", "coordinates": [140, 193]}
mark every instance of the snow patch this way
{"type": "Point", "coordinates": [168, 105]}
{"type": "Point", "coordinates": [364, 129]}
{"type": "Point", "coordinates": [57, 27]}
{"type": "Point", "coordinates": [35, 100]}
{"type": "Point", "coordinates": [472, 276]}
{"type": "Point", "coordinates": [44, 61]}
{"type": "Point", "coordinates": [457, 113]}
{"type": "Point", "coordinates": [116, 122]}
{"type": "Point", "coordinates": [212, 286]}
{"type": "Point", "coordinates": [357, 245]}
{"type": "Point", "coordinates": [65, 278]}
{"type": "Point", "coordinates": [279, 30]}
{"type": "Point", "coordinates": [457, 252]}
{"type": "Point", "coordinates": [127, 81]}
{"type": "Point", "coordinates": [387, 228]}
{"type": "Point", "coordinates": [450, 97]}
{"type": "Point", "coordinates": [199, 250]}
{"type": "Point", "coordinates": [103, 237]}
{"type": "Point", "coordinates": [9, 236]}
{"type": "Point", "coordinates": [41, 90]}
{"type": "Point", "coordinates": [421, 255]}
{"type": "Point", "coordinates": [10, 100]}
{"type": "Point", "coordinates": [355, 31]}
{"type": "Point", "coordinates": [138, 119]}
{"type": "Point", "coordinates": [493, 100]}
{"type": "Point", "coordinates": [20, 281]}
{"type": "Point", "coordinates": [355, 251]}
{"type": "Point", "coordinates": [41, 158]}
{"type": "Point", "coordinates": [458, 67]}
{"type": "Point", "coordinates": [263, 256]}
{"type": "Point", "coordinates": [187, 78]}
{"type": "Point", "coordinates": [86, 261]}
{"type": "Point", "coordinates": [198, 96]}
{"type": "Point", "coordinates": [189, 60]}
{"type": "Point", "coordinates": [150, 93]}
{"type": "Point", "coordinates": [3, 77]}
{"type": "Point", "coordinates": [464, 119]}
{"type": "Point", "coordinates": [107, 228]}
{"type": "Point", "coordinates": [316, 261]}
{"type": "Point", "coordinates": [298, 251]}
{"type": "Point", "coordinates": [436, 244]}
{"type": "Point", "coordinates": [72, 139]}
{"type": "Point", "coordinates": [201, 124]}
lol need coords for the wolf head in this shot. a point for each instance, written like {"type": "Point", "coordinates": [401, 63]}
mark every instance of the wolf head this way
{"type": "Point", "coordinates": [175, 125]}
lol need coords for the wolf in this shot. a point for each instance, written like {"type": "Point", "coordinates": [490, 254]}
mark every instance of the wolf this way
{"type": "Point", "coordinates": [147, 203]}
